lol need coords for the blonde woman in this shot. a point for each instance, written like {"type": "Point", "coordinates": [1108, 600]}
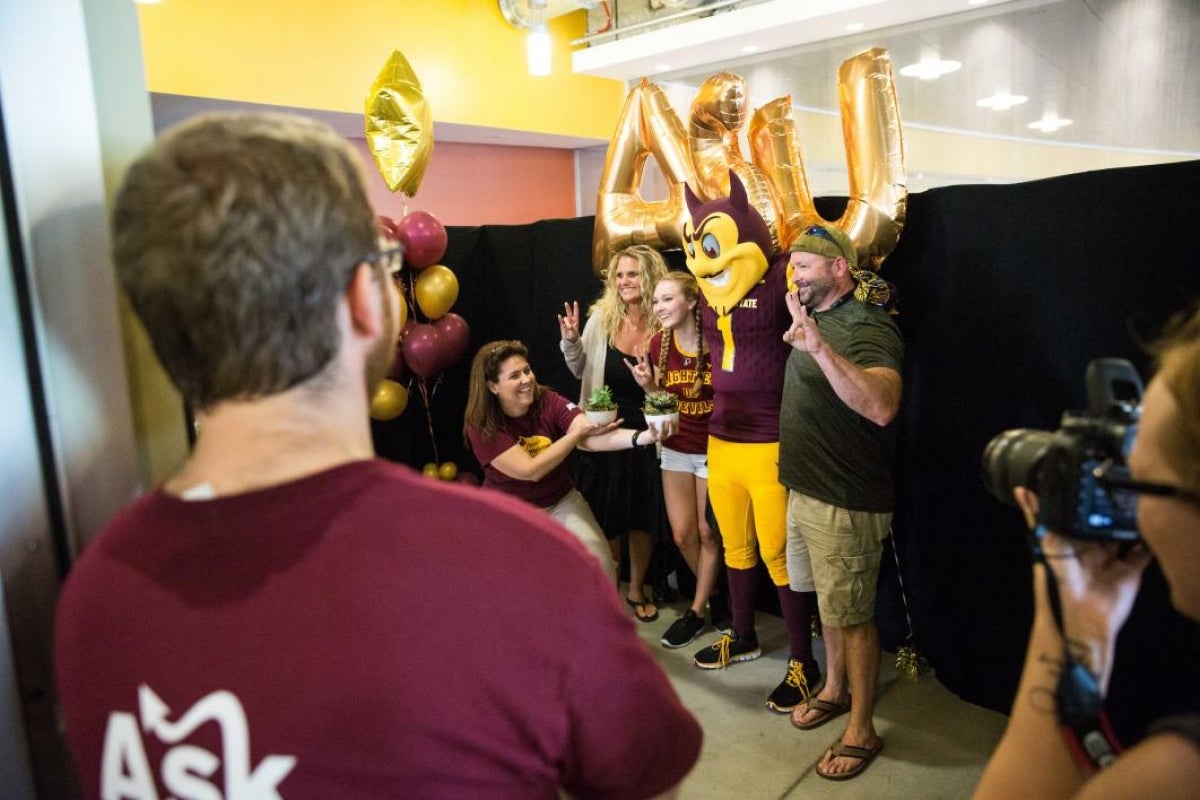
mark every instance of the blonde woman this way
{"type": "Point", "coordinates": [677, 362]}
{"type": "Point", "coordinates": [623, 489]}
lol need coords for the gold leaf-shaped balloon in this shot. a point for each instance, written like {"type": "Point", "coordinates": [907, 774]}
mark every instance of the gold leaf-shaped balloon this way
{"type": "Point", "coordinates": [399, 125]}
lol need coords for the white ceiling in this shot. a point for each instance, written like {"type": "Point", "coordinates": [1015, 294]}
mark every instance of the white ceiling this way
{"type": "Point", "coordinates": [1124, 71]}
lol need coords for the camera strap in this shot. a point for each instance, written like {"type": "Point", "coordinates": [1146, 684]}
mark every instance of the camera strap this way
{"type": "Point", "coordinates": [1078, 702]}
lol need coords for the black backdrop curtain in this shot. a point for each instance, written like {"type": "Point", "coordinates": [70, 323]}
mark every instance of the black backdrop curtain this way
{"type": "Point", "coordinates": [1006, 293]}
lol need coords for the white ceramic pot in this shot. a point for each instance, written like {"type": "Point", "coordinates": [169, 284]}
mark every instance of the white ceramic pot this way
{"type": "Point", "coordinates": [601, 417]}
{"type": "Point", "coordinates": [656, 421]}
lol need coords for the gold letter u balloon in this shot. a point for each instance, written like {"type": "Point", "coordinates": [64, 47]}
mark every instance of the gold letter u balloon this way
{"type": "Point", "coordinates": [775, 179]}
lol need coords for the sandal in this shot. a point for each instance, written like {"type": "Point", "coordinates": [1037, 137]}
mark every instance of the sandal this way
{"type": "Point", "coordinates": [639, 609]}
{"type": "Point", "coordinates": [865, 756]}
{"type": "Point", "coordinates": [826, 711]}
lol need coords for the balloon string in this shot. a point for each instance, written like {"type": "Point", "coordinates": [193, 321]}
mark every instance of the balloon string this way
{"type": "Point", "coordinates": [429, 420]}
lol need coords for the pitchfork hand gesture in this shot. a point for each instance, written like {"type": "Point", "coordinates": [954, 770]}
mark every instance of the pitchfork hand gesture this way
{"type": "Point", "coordinates": [642, 372]}
{"type": "Point", "coordinates": [568, 322]}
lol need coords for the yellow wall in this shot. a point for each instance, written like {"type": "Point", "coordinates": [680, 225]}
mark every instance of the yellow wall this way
{"type": "Point", "coordinates": [324, 55]}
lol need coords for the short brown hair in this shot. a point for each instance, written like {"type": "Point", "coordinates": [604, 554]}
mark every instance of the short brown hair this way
{"type": "Point", "coordinates": [233, 237]}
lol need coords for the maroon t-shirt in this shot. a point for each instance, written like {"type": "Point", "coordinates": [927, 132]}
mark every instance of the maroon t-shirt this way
{"type": "Point", "coordinates": [535, 431]}
{"type": "Point", "coordinates": [748, 375]}
{"type": "Point", "coordinates": [366, 633]}
{"type": "Point", "coordinates": [695, 401]}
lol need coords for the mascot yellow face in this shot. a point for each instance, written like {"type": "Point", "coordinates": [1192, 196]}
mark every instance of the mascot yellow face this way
{"type": "Point", "coordinates": [727, 245]}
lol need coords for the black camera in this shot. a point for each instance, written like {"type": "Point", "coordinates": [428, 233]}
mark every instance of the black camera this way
{"type": "Point", "coordinates": [1070, 469]}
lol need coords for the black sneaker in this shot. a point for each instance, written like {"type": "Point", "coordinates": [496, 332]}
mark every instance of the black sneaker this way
{"type": "Point", "coordinates": [683, 630]}
{"type": "Point", "coordinates": [729, 649]}
{"type": "Point", "coordinates": [718, 609]}
{"type": "Point", "coordinates": [800, 683]}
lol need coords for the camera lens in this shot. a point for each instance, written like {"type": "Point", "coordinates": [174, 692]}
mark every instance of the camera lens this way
{"type": "Point", "coordinates": [1013, 458]}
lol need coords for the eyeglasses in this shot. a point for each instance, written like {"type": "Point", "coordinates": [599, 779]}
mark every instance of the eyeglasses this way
{"type": "Point", "coordinates": [391, 260]}
{"type": "Point", "coordinates": [1105, 477]}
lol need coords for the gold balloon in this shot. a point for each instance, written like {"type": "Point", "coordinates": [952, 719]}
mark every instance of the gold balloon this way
{"type": "Point", "coordinates": [776, 150]}
{"type": "Point", "coordinates": [448, 471]}
{"type": "Point", "coordinates": [875, 154]}
{"type": "Point", "coordinates": [399, 125]}
{"type": "Point", "coordinates": [389, 400]}
{"type": "Point", "coordinates": [436, 289]}
{"type": "Point", "coordinates": [718, 114]}
{"type": "Point", "coordinates": [775, 180]}
{"type": "Point", "coordinates": [648, 127]}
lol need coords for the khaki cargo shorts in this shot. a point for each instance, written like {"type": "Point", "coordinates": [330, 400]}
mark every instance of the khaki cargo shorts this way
{"type": "Point", "coordinates": [841, 549]}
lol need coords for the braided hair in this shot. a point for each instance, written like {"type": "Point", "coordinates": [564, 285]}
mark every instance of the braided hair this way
{"type": "Point", "coordinates": [691, 291]}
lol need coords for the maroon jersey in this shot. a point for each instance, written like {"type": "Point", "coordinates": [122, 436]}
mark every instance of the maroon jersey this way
{"type": "Point", "coordinates": [695, 397]}
{"type": "Point", "coordinates": [748, 359]}
{"type": "Point", "coordinates": [288, 642]}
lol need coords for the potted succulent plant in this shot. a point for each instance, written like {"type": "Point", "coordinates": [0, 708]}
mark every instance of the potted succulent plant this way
{"type": "Point", "coordinates": [600, 407]}
{"type": "Point", "coordinates": [660, 407]}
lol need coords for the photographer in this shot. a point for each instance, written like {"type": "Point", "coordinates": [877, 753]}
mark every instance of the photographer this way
{"type": "Point", "coordinates": [1094, 585]}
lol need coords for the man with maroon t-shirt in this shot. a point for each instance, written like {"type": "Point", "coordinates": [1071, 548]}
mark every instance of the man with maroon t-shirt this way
{"type": "Point", "coordinates": [287, 616]}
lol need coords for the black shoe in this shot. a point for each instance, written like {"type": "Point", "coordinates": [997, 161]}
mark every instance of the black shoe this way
{"type": "Point", "coordinates": [718, 609]}
{"type": "Point", "coordinates": [729, 649]}
{"type": "Point", "coordinates": [683, 630]}
{"type": "Point", "coordinates": [800, 683]}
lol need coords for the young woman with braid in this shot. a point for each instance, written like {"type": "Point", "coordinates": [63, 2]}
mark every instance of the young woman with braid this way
{"type": "Point", "coordinates": [681, 366]}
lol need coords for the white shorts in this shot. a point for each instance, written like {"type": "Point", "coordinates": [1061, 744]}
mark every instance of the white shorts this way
{"type": "Point", "coordinates": [691, 463]}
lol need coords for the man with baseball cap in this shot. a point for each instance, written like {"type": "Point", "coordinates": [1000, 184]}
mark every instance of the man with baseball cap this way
{"type": "Point", "coordinates": [837, 442]}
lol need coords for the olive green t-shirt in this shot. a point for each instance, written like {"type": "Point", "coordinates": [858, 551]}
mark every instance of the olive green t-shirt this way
{"type": "Point", "coordinates": [826, 450]}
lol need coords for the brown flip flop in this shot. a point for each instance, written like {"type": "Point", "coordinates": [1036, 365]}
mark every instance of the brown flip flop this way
{"type": "Point", "coordinates": [827, 712]}
{"type": "Point", "coordinates": [865, 756]}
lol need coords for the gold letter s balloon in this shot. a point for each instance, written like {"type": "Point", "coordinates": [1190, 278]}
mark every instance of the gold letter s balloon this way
{"type": "Point", "coordinates": [436, 289]}
{"type": "Point", "coordinates": [399, 126]}
{"type": "Point", "coordinates": [389, 401]}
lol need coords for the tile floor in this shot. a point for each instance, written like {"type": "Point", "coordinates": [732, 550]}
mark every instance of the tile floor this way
{"type": "Point", "coordinates": [935, 744]}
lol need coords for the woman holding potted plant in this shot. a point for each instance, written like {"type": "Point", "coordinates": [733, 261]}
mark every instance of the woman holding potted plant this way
{"type": "Point", "coordinates": [624, 489]}
{"type": "Point", "coordinates": [680, 378]}
{"type": "Point", "coordinates": [521, 433]}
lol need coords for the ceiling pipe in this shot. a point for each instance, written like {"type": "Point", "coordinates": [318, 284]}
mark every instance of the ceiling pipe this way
{"type": "Point", "coordinates": [592, 38]}
{"type": "Point", "coordinates": [522, 13]}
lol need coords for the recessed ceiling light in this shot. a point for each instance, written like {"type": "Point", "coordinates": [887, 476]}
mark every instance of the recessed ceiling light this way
{"type": "Point", "coordinates": [661, 67]}
{"type": "Point", "coordinates": [750, 48]}
{"type": "Point", "coordinates": [929, 69]}
{"type": "Point", "coordinates": [1002, 101]}
{"type": "Point", "coordinates": [1049, 123]}
{"type": "Point", "coordinates": [855, 26]}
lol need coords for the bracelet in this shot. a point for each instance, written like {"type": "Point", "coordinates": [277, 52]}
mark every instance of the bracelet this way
{"type": "Point", "coordinates": [635, 441]}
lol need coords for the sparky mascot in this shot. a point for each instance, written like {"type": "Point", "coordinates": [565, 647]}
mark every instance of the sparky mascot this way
{"type": "Point", "coordinates": [729, 250]}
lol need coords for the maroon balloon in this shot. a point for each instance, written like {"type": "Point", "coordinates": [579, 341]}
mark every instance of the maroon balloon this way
{"type": "Point", "coordinates": [399, 369]}
{"type": "Point", "coordinates": [423, 237]}
{"type": "Point", "coordinates": [467, 478]}
{"type": "Point", "coordinates": [457, 336]}
{"type": "Point", "coordinates": [423, 350]}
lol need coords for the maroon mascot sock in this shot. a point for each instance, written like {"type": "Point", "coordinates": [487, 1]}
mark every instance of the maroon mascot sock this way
{"type": "Point", "coordinates": [743, 586]}
{"type": "Point", "coordinates": [798, 609]}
